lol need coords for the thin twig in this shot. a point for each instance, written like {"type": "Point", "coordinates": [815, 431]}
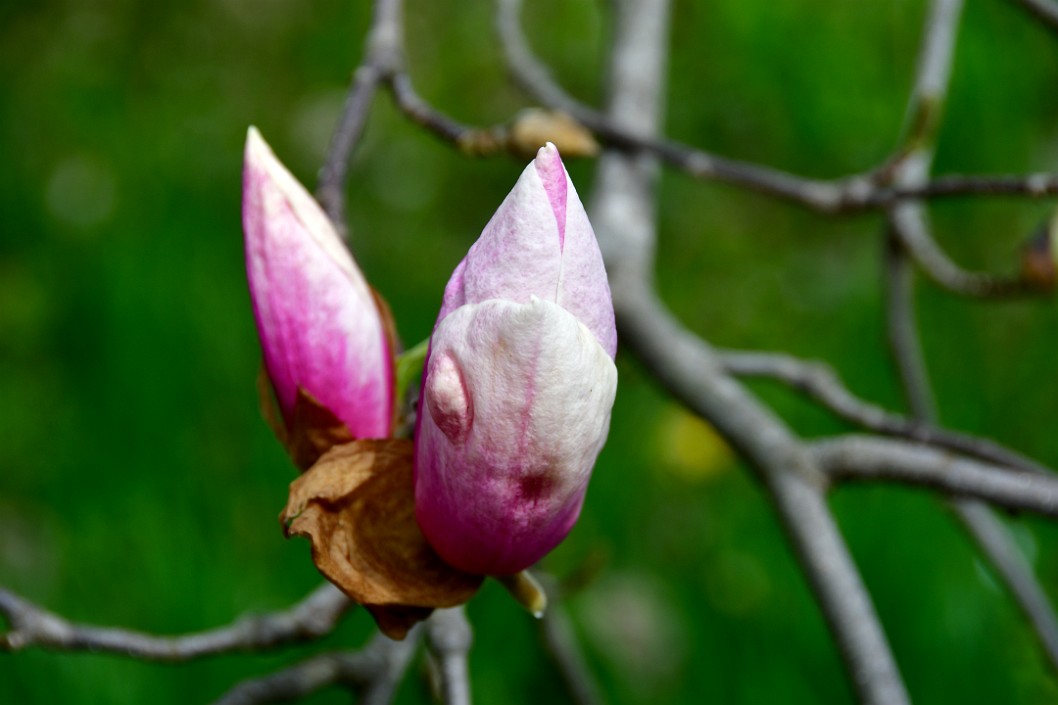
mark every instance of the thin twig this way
{"type": "Point", "coordinates": [686, 367]}
{"type": "Point", "coordinates": [622, 210]}
{"type": "Point", "coordinates": [909, 228]}
{"type": "Point", "coordinates": [385, 54]}
{"type": "Point", "coordinates": [448, 640]}
{"type": "Point", "coordinates": [422, 113]}
{"type": "Point", "coordinates": [313, 617]}
{"type": "Point", "coordinates": [866, 458]}
{"type": "Point", "coordinates": [1014, 572]}
{"type": "Point", "coordinates": [558, 636]}
{"type": "Point", "coordinates": [819, 382]}
{"type": "Point", "coordinates": [374, 671]}
{"type": "Point", "coordinates": [901, 327]}
{"type": "Point", "coordinates": [909, 234]}
{"type": "Point", "coordinates": [843, 195]}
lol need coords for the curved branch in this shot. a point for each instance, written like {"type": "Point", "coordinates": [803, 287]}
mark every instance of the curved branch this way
{"type": "Point", "coordinates": [375, 672]}
{"type": "Point", "coordinates": [622, 209]}
{"type": "Point", "coordinates": [909, 234]}
{"type": "Point", "coordinates": [848, 194]}
{"type": "Point", "coordinates": [908, 226]}
{"type": "Point", "coordinates": [313, 617]}
{"type": "Point", "coordinates": [1015, 572]}
{"type": "Point", "coordinates": [686, 368]}
{"type": "Point", "coordinates": [534, 76]}
{"type": "Point", "coordinates": [819, 382]}
{"type": "Point", "coordinates": [855, 458]}
{"type": "Point", "coordinates": [385, 54]}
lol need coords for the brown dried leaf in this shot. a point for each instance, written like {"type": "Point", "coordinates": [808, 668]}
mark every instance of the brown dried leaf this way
{"type": "Point", "coordinates": [533, 128]}
{"type": "Point", "coordinates": [314, 429]}
{"type": "Point", "coordinates": [357, 506]}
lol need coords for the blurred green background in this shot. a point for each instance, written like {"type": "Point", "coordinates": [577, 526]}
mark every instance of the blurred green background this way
{"type": "Point", "coordinates": [139, 487]}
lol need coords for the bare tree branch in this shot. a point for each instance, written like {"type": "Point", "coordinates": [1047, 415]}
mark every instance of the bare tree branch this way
{"type": "Point", "coordinates": [622, 210]}
{"type": "Point", "coordinates": [818, 381]}
{"type": "Point", "coordinates": [313, 617]}
{"type": "Point", "coordinates": [1014, 572]}
{"type": "Point", "coordinates": [847, 194]}
{"type": "Point", "coordinates": [909, 232]}
{"type": "Point", "coordinates": [558, 636]}
{"type": "Point", "coordinates": [385, 54]}
{"type": "Point", "coordinates": [687, 368]}
{"type": "Point", "coordinates": [422, 113]}
{"type": "Point", "coordinates": [374, 671]}
{"type": "Point", "coordinates": [901, 326]}
{"type": "Point", "coordinates": [861, 458]}
{"type": "Point", "coordinates": [1034, 185]}
{"type": "Point", "coordinates": [448, 640]}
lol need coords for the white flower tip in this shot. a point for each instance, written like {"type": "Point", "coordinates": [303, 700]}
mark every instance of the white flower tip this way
{"type": "Point", "coordinates": [257, 150]}
{"type": "Point", "coordinates": [266, 174]}
{"type": "Point", "coordinates": [548, 158]}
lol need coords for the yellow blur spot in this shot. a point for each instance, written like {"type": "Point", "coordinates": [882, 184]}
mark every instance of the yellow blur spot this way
{"type": "Point", "coordinates": [689, 448]}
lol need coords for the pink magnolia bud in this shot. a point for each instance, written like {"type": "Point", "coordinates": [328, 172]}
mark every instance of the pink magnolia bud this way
{"type": "Point", "coordinates": [319, 325]}
{"type": "Point", "coordinates": [519, 382]}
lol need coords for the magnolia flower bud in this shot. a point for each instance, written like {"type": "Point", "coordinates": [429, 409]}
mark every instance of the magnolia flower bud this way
{"type": "Point", "coordinates": [320, 328]}
{"type": "Point", "coordinates": [519, 382]}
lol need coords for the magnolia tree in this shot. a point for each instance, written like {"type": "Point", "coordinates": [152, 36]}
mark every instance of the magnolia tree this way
{"type": "Point", "coordinates": [427, 470]}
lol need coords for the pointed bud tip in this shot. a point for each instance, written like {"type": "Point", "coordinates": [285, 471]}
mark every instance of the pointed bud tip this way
{"type": "Point", "coordinates": [548, 155]}
{"type": "Point", "coordinates": [552, 175]}
{"type": "Point", "coordinates": [256, 147]}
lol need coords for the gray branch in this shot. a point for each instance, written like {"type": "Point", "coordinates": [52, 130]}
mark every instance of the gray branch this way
{"type": "Point", "coordinates": [856, 458]}
{"type": "Point", "coordinates": [908, 222]}
{"type": "Point", "coordinates": [562, 646]}
{"type": "Point", "coordinates": [868, 190]}
{"type": "Point", "coordinates": [909, 226]}
{"type": "Point", "coordinates": [374, 672]}
{"type": "Point", "coordinates": [687, 368]}
{"type": "Point", "coordinates": [901, 326]}
{"type": "Point", "coordinates": [819, 382]}
{"type": "Point", "coordinates": [385, 55]}
{"type": "Point", "coordinates": [1014, 571]}
{"type": "Point", "coordinates": [448, 640]}
{"type": "Point", "coordinates": [313, 617]}
{"type": "Point", "coordinates": [622, 209]}
{"type": "Point", "coordinates": [559, 638]}
{"type": "Point", "coordinates": [909, 233]}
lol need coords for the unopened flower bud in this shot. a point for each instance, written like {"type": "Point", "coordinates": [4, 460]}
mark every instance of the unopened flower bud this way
{"type": "Point", "coordinates": [320, 328]}
{"type": "Point", "coordinates": [519, 382]}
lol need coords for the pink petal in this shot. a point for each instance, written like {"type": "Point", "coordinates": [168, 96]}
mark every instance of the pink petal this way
{"type": "Point", "coordinates": [539, 243]}
{"type": "Point", "coordinates": [516, 407]}
{"type": "Point", "coordinates": [319, 326]}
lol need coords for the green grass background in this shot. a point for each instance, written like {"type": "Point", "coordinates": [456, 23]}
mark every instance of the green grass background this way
{"type": "Point", "coordinates": [139, 487]}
